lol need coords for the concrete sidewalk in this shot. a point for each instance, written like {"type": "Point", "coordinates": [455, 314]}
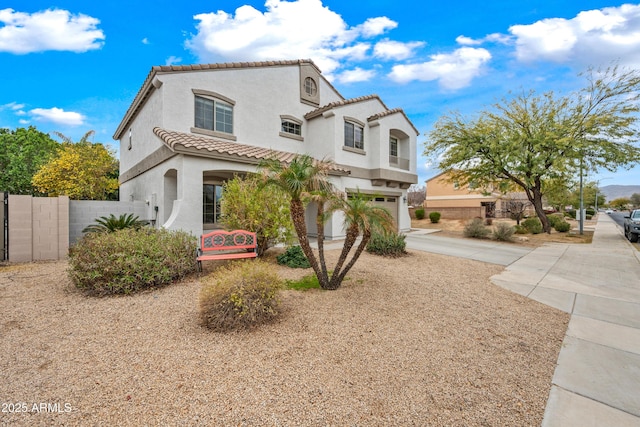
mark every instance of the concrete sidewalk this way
{"type": "Point", "coordinates": [597, 378]}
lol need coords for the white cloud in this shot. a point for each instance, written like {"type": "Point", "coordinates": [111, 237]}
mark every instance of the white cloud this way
{"type": "Point", "coordinates": [592, 37]}
{"type": "Point", "coordinates": [467, 41]}
{"type": "Point", "coordinates": [390, 49]}
{"type": "Point", "coordinates": [14, 106]}
{"type": "Point", "coordinates": [376, 26]}
{"type": "Point", "coordinates": [52, 29]}
{"type": "Point", "coordinates": [452, 70]}
{"type": "Point", "coordinates": [356, 75]}
{"type": "Point", "coordinates": [172, 60]}
{"type": "Point", "coordinates": [58, 116]}
{"type": "Point", "coordinates": [145, 41]}
{"type": "Point", "coordinates": [491, 38]}
{"type": "Point", "coordinates": [285, 30]}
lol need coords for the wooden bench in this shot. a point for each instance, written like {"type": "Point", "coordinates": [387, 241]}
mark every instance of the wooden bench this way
{"type": "Point", "coordinates": [220, 244]}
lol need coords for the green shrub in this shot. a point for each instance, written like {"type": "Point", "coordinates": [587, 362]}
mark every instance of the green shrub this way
{"type": "Point", "coordinates": [590, 211]}
{"type": "Point", "coordinates": [420, 213]}
{"type": "Point", "coordinates": [239, 295]}
{"type": "Point", "coordinates": [293, 257]}
{"type": "Point", "coordinates": [434, 217]}
{"type": "Point", "coordinates": [130, 260]}
{"type": "Point", "coordinates": [555, 219]}
{"type": "Point", "coordinates": [503, 232]}
{"type": "Point", "coordinates": [562, 227]}
{"type": "Point", "coordinates": [571, 213]}
{"type": "Point", "coordinates": [476, 228]}
{"type": "Point", "coordinates": [533, 225]}
{"type": "Point", "coordinates": [244, 206]}
{"type": "Point", "coordinates": [387, 244]}
{"type": "Point", "coordinates": [307, 282]}
{"type": "Point", "coordinates": [519, 229]}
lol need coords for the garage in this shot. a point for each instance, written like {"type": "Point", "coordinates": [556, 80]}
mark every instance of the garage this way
{"type": "Point", "coordinates": [390, 203]}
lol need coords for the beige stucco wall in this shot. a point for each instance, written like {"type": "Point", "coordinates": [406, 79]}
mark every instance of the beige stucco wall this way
{"type": "Point", "coordinates": [443, 193]}
{"type": "Point", "coordinates": [38, 228]}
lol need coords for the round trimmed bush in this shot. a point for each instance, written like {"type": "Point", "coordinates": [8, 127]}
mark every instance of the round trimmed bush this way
{"type": "Point", "coordinates": [293, 257]}
{"type": "Point", "coordinates": [240, 295]}
{"type": "Point", "coordinates": [503, 232]}
{"type": "Point", "coordinates": [131, 260]}
{"type": "Point", "coordinates": [434, 217]}
{"type": "Point", "coordinates": [420, 213]}
{"type": "Point", "coordinates": [562, 227]}
{"type": "Point", "coordinates": [555, 219]}
{"type": "Point", "coordinates": [476, 228]}
{"type": "Point", "coordinates": [533, 225]}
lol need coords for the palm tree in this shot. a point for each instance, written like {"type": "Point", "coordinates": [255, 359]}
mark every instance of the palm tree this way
{"type": "Point", "coordinates": [303, 179]}
{"type": "Point", "coordinates": [360, 217]}
{"type": "Point", "coordinates": [306, 180]}
{"type": "Point", "coordinates": [112, 223]}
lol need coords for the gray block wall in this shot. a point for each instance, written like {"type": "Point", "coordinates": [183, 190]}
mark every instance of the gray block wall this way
{"type": "Point", "coordinates": [84, 212]}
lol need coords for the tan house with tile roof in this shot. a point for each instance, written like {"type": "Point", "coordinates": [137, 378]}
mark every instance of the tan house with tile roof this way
{"type": "Point", "coordinates": [456, 201]}
{"type": "Point", "coordinates": [191, 128]}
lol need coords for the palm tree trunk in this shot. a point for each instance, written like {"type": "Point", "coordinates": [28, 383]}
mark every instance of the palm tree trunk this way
{"type": "Point", "coordinates": [336, 279]}
{"type": "Point", "coordinates": [350, 240]}
{"type": "Point", "coordinates": [320, 233]}
{"type": "Point", "coordinates": [297, 216]}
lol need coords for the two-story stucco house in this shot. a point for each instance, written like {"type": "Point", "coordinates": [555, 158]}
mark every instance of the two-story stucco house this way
{"type": "Point", "coordinates": [191, 128]}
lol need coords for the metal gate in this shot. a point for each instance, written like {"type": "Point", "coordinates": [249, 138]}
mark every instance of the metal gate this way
{"type": "Point", "coordinates": [4, 216]}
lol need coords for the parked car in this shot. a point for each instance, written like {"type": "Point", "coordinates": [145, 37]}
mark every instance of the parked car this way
{"type": "Point", "coordinates": [609, 211]}
{"type": "Point", "coordinates": [632, 226]}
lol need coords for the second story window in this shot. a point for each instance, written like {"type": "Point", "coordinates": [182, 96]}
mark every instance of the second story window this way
{"type": "Point", "coordinates": [353, 135]}
{"type": "Point", "coordinates": [291, 127]}
{"type": "Point", "coordinates": [393, 147]}
{"type": "Point", "coordinates": [213, 114]}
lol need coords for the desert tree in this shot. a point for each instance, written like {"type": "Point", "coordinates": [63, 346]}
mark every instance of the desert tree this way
{"type": "Point", "coordinates": [530, 139]}
{"type": "Point", "coordinates": [82, 170]}
{"type": "Point", "coordinates": [22, 152]}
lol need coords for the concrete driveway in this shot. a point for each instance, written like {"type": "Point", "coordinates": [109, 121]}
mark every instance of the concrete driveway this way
{"type": "Point", "coordinates": [493, 252]}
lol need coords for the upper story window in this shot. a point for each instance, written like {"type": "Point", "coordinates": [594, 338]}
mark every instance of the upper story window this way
{"type": "Point", "coordinates": [393, 147]}
{"type": "Point", "coordinates": [354, 135]}
{"type": "Point", "coordinates": [291, 127]}
{"type": "Point", "coordinates": [213, 114]}
{"type": "Point", "coordinates": [310, 86]}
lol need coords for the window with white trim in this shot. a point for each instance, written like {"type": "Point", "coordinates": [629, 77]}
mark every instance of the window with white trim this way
{"type": "Point", "coordinates": [393, 147]}
{"type": "Point", "coordinates": [353, 135]}
{"type": "Point", "coordinates": [213, 114]}
{"type": "Point", "coordinates": [289, 126]}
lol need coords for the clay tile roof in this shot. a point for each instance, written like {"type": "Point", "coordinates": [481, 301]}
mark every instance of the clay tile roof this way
{"type": "Point", "coordinates": [212, 147]}
{"type": "Point", "coordinates": [389, 113]}
{"type": "Point", "coordinates": [318, 111]}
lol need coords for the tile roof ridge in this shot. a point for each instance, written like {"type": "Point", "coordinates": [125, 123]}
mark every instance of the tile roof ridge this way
{"type": "Point", "coordinates": [230, 65]}
{"type": "Point", "coordinates": [341, 103]}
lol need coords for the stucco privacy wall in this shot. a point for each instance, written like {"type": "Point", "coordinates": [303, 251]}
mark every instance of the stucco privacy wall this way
{"type": "Point", "coordinates": [38, 228]}
{"type": "Point", "coordinates": [85, 212]}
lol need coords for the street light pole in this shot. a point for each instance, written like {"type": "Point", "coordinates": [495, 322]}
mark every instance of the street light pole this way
{"type": "Point", "coordinates": [598, 190]}
{"type": "Point", "coordinates": [580, 212]}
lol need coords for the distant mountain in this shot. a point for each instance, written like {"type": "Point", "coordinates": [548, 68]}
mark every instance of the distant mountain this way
{"type": "Point", "coordinates": [616, 191]}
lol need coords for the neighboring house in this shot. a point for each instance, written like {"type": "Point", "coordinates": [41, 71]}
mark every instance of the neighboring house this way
{"type": "Point", "coordinates": [455, 201]}
{"type": "Point", "coordinates": [190, 128]}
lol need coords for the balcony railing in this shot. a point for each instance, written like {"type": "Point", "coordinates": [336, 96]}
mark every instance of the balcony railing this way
{"type": "Point", "coordinates": [399, 162]}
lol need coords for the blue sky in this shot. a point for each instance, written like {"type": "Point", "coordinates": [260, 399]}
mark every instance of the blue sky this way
{"type": "Point", "coordinates": [73, 66]}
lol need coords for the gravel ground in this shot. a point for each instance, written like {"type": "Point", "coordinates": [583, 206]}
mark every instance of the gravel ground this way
{"type": "Point", "coordinates": [421, 340]}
